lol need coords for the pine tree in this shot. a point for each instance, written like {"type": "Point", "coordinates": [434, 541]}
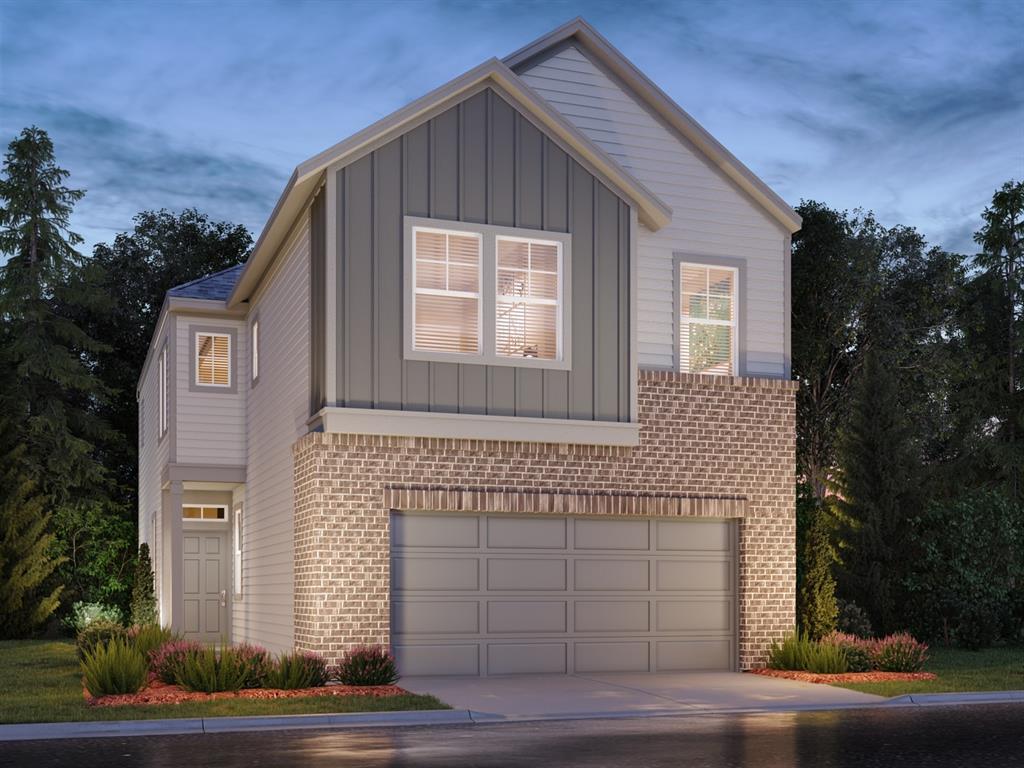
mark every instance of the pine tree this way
{"type": "Point", "coordinates": [143, 597]}
{"type": "Point", "coordinates": [816, 601]}
{"type": "Point", "coordinates": [879, 494]}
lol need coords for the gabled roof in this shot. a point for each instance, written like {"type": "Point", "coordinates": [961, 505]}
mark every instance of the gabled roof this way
{"type": "Point", "coordinates": [580, 33]}
{"type": "Point", "coordinates": [217, 286]}
{"type": "Point", "coordinates": [306, 178]}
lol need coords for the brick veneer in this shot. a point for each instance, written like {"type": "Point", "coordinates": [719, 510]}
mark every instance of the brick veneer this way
{"type": "Point", "coordinates": [709, 446]}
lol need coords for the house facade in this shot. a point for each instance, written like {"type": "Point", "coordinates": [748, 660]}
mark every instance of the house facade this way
{"type": "Point", "coordinates": [504, 384]}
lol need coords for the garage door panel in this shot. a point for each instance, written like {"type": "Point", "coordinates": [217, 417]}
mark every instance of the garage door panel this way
{"type": "Point", "coordinates": [436, 574]}
{"type": "Point", "coordinates": [435, 531]}
{"type": "Point", "coordinates": [679, 655]}
{"type": "Point", "coordinates": [694, 615]}
{"type": "Point", "coordinates": [612, 575]}
{"type": "Point", "coordinates": [694, 535]}
{"type": "Point", "coordinates": [612, 657]}
{"type": "Point", "coordinates": [536, 616]}
{"type": "Point", "coordinates": [526, 658]}
{"type": "Point", "coordinates": [694, 575]}
{"type": "Point", "coordinates": [526, 533]}
{"type": "Point", "coordinates": [448, 659]}
{"type": "Point", "coordinates": [435, 617]}
{"type": "Point", "coordinates": [616, 535]}
{"type": "Point", "coordinates": [526, 575]}
{"type": "Point", "coordinates": [612, 616]}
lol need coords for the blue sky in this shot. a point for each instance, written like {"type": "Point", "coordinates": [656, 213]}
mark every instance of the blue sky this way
{"type": "Point", "coordinates": [914, 110]}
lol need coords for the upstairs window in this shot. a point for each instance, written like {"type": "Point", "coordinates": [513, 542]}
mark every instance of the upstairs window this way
{"type": "Point", "coordinates": [213, 359]}
{"type": "Point", "coordinates": [527, 315]}
{"type": "Point", "coordinates": [707, 319]}
{"type": "Point", "coordinates": [255, 342]}
{"type": "Point", "coordinates": [446, 291]}
{"type": "Point", "coordinates": [162, 391]}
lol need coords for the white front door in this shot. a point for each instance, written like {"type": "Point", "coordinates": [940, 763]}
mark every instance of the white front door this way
{"type": "Point", "coordinates": [205, 559]}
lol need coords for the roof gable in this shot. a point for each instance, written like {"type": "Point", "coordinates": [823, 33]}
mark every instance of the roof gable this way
{"type": "Point", "coordinates": [217, 286]}
{"type": "Point", "coordinates": [578, 32]}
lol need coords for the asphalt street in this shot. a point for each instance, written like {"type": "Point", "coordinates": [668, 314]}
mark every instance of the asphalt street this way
{"type": "Point", "coordinates": [986, 736]}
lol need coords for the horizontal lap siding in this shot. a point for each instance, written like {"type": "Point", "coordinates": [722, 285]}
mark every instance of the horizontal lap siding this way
{"type": "Point", "coordinates": [153, 456]}
{"type": "Point", "coordinates": [480, 161]}
{"type": "Point", "coordinates": [711, 217]}
{"type": "Point", "coordinates": [277, 414]}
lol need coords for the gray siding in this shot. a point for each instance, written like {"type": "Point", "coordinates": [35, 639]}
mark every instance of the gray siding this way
{"type": "Point", "coordinates": [480, 161]}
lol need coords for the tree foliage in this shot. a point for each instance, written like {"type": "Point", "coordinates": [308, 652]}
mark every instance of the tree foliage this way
{"type": "Point", "coordinates": [143, 608]}
{"type": "Point", "coordinates": [816, 598]}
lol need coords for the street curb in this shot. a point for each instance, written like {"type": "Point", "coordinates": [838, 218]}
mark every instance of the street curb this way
{"type": "Point", "coordinates": [129, 728]}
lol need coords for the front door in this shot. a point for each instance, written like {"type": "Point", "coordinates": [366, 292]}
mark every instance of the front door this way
{"type": "Point", "coordinates": [206, 584]}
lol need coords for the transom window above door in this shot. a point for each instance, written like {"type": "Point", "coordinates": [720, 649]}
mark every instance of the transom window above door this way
{"type": "Point", "coordinates": [213, 359]}
{"type": "Point", "coordinates": [210, 512]}
{"type": "Point", "coordinates": [484, 294]}
{"type": "Point", "coordinates": [707, 319]}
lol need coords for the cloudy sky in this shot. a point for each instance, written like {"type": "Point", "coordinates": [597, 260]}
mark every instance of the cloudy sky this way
{"type": "Point", "coordinates": [914, 110]}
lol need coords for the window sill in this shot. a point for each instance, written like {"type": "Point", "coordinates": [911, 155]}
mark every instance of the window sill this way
{"type": "Point", "coordinates": [370, 421]}
{"type": "Point", "coordinates": [492, 360]}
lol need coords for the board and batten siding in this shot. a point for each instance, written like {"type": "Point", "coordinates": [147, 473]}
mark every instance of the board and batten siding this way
{"type": "Point", "coordinates": [210, 424]}
{"type": "Point", "coordinates": [277, 412]}
{"type": "Point", "coordinates": [710, 215]}
{"type": "Point", "coordinates": [480, 161]}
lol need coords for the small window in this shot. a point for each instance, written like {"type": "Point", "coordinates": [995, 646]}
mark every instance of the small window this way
{"type": "Point", "coordinates": [255, 341]}
{"type": "Point", "coordinates": [528, 295]}
{"type": "Point", "coordinates": [213, 359]}
{"type": "Point", "coordinates": [446, 291]}
{"type": "Point", "coordinates": [162, 389]}
{"type": "Point", "coordinates": [142, 423]}
{"type": "Point", "coordinates": [707, 319]}
{"type": "Point", "coordinates": [203, 512]}
{"type": "Point", "coordinates": [237, 562]}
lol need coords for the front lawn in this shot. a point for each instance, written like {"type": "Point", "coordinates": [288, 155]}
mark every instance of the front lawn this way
{"type": "Point", "coordinates": [994, 669]}
{"type": "Point", "coordinates": [40, 683]}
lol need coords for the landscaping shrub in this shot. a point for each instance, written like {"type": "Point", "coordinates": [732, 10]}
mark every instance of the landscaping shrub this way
{"type": "Point", "coordinates": [84, 614]}
{"type": "Point", "coordinates": [858, 650]}
{"type": "Point", "coordinates": [853, 620]}
{"type": "Point", "coordinates": [165, 660]}
{"type": "Point", "coordinates": [257, 663]}
{"type": "Point", "coordinates": [367, 665]}
{"type": "Point", "coordinates": [143, 604]}
{"type": "Point", "coordinates": [210, 670]}
{"type": "Point", "coordinates": [114, 667]}
{"type": "Point", "coordinates": [300, 669]}
{"type": "Point", "coordinates": [149, 637]}
{"type": "Point", "coordinates": [900, 653]}
{"type": "Point", "coordinates": [800, 653]}
{"type": "Point", "coordinates": [816, 597]}
{"type": "Point", "coordinates": [96, 633]}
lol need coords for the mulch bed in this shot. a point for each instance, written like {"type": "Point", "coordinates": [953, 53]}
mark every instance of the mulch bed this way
{"type": "Point", "coordinates": [846, 677]}
{"type": "Point", "coordinates": [161, 693]}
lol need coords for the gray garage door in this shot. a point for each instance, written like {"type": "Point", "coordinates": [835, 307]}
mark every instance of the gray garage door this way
{"type": "Point", "coordinates": [497, 594]}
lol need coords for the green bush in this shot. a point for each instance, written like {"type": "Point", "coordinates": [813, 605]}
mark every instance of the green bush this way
{"type": "Point", "coordinates": [799, 653]}
{"type": "Point", "coordinates": [900, 653]}
{"type": "Point", "coordinates": [143, 604]}
{"type": "Point", "coordinates": [816, 598]}
{"type": "Point", "coordinates": [299, 669]}
{"type": "Point", "coordinates": [148, 637]}
{"type": "Point", "coordinates": [84, 614]}
{"type": "Point", "coordinates": [114, 667]}
{"type": "Point", "coordinates": [209, 670]}
{"type": "Point", "coordinates": [257, 662]}
{"type": "Point", "coordinates": [853, 620]}
{"type": "Point", "coordinates": [859, 651]}
{"type": "Point", "coordinates": [165, 660]}
{"type": "Point", "coordinates": [96, 633]}
{"type": "Point", "coordinates": [367, 665]}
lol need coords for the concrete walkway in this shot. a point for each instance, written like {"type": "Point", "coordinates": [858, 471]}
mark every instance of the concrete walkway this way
{"type": "Point", "coordinates": [624, 694]}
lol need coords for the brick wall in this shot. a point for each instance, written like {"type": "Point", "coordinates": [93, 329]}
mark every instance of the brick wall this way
{"type": "Point", "coordinates": [709, 446]}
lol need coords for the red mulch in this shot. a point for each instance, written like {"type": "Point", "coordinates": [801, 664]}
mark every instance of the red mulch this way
{"type": "Point", "coordinates": [846, 677]}
{"type": "Point", "coordinates": [161, 693]}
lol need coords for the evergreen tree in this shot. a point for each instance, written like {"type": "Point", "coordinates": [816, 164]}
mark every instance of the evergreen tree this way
{"type": "Point", "coordinates": [143, 608]}
{"type": "Point", "coordinates": [879, 494]}
{"type": "Point", "coordinates": [817, 609]}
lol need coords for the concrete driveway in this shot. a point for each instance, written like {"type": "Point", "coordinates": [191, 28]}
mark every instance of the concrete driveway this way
{"type": "Point", "coordinates": [625, 694]}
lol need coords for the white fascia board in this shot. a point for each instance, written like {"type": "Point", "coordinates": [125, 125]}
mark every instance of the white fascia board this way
{"type": "Point", "coordinates": [463, 426]}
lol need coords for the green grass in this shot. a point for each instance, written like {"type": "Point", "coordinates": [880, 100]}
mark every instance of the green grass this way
{"type": "Point", "coordinates": [40, 682]}
{"type": "Point", "coordinates": [993, 669]}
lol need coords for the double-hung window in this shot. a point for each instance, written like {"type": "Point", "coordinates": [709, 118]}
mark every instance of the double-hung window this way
{"type": "Point", "coordinates": [213, 359]}
{"type": "Point", "coordinates": [236, 524]}
{"type": "Point", "coordinates": [162, 391]}
{"type": "Point", "coordinates": [484, 294]}
{"type": "Point", "coordinates": [255, 342]}
{"type": "Point", "coordinates": [707, 319]}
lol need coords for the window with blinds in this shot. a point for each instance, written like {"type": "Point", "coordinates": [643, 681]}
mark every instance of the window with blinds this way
{"type": "Point", "coordinates": [707, 319]}
{"type": "Point", "coordinates": [527, 299]}
{"type": "Point", "coordinates": [446, 291]}
{"type": "Point", "coordinates": [213, 359]}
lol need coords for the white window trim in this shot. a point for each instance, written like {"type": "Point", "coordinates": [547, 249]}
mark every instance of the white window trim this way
{"type": "Point", "coordinates": [489, 235]}
{"type": "Point", "coordinates": [734, 342]}
{"type": "Point", "coordinates": [190, 520]}
{"type": "Point", "coordinates": [254, 343]}
{"type": "Point", "coordinates": [195, 343]}
{"type": "Point", "coordinates": [162, 391]}
{"type": "Point", "coordinates": [236, 552]}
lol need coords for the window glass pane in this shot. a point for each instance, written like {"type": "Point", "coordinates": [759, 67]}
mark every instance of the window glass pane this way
{"type": "Point", "coordinates": [463, 278]}
{"type": "Point", "coordinates": [447, 267]}
{"type": "Point", "coordinates": [527, 325]}
{"type": "Point", "coordinates": [513, 254]}
{"type": "Point", "coordinates": [464, 249]}
{"type": "Point", "coordinates": [544, 256]}
{"type": "Point", "coordinates": [431, 275]}
{"type": "Point", "coordinates": [527, 330]}
{"type": "Point", "coordinates": [213, 363]}
{"type": "Point", "coordinates": [191, 513]}
{"type": "Point", "coordinates": [447, 323]}
{"type": "Point", "coordinates": [707, 319]}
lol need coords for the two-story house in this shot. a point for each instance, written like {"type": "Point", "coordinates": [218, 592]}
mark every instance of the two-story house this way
{"type": "Point", "coordinates": [504, 384]}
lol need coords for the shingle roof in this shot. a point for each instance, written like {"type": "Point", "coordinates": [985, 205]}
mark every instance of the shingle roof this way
{"type": "Point", "coordinates": [217, 286]}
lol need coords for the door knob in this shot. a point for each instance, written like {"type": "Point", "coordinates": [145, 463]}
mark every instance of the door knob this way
{"type": "Point", "coordinates": [223, 598]}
